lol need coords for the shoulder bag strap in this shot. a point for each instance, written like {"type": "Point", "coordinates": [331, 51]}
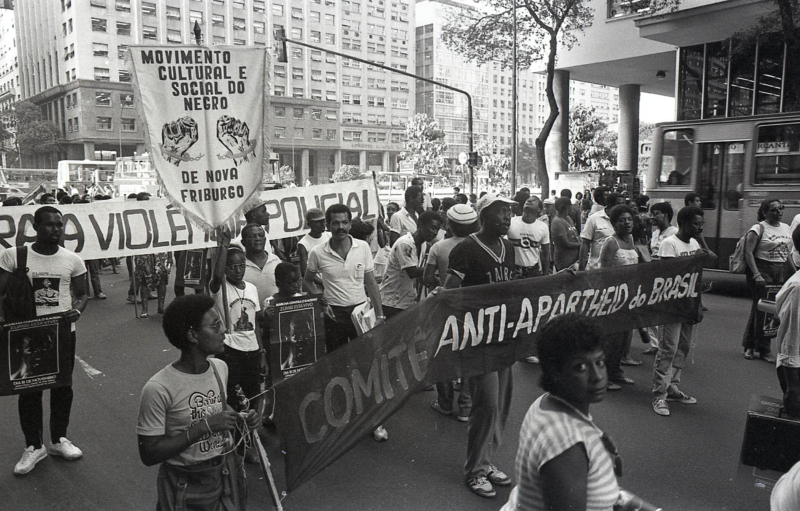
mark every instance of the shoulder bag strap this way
{"type": "Point", "coordinates": [22, 259]}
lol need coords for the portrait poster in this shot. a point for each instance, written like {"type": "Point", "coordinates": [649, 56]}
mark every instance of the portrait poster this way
{"type": "Point", "coordinates": [36, 354]}
{"type": "Point", "coordinates": [204, 120]}
{"type": "Point", "coordinates": [766, 324]}
{"type": "Point", "coordinates": [191, 269]}
{"type": "Point", "coordinates": [297, 336]}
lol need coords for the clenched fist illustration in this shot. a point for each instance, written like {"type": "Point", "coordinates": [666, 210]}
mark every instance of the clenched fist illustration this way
{"type": "Point", "coordinates": [177, 137]}
{"type": "Point", "coordinates": [234, 135]}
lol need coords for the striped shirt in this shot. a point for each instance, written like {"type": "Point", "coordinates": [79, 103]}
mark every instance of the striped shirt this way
{"type": "Point", "coordinates": [544, 436]}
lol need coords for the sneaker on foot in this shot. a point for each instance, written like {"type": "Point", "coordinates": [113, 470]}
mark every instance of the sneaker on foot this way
{"type": "Point", "coordinates": [463, 416]}
{"type": "Point", "coordinates": [30, 457]}
{"type": "Point", "coordinates": [613, 386]}
{"type": "Point", "coordinates": [436, 406]}
{"type": "Point", "coordinates": [532, 360]}
{"type": "Point", "coordinates": [660, 407]}
{"type": "Point", "coordinates": [380, 434]}
{"type": "Point", "coordinates": [630, 362]}
{"type": "Point", "coordinates": [650, 351]}
{"type": "Point", "coordinates": [65, 449]}
{"type": "Point", "coordinates": [497, 477]}
{"type": "Point", "coordinates": [481, 486]}
{"type": "Point", "coordinates": [681, 397]}
{"type": "Point", "coordinates": [100, 296]}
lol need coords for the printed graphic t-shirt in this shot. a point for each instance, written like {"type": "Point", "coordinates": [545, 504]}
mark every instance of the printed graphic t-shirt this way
{"type": "Point", "coordinates": [242, 307]}
{"type": "Point", "coordinates": [475, 263]}
{"type": "Point", "coordinates": [51, 277]}
{"type": "Point", "coordinates": [397, 288]}
{"type": "Point", "coordinates": [173, 401]}
{"type": "Point", "coordinates": [528, 239]}
{"type": "Point", "coordinates": [674, 247]}
{"type": "Point", "coordinates": [775, 244]}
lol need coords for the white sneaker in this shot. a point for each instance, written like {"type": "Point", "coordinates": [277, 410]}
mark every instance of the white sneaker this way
{"type": "Point", "coordinates": [65, 449]}
{"type": "Point", "coordinates": [30, 457]}
{"type": "Point", "coordinates": [380, 434]}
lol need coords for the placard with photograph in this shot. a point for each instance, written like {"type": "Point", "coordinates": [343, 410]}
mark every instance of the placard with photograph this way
{"type": "Point", "coordinates": [191, 269]}
{"type": "Point", "coordinates": [36, 355]}
{"type": "Point", "coordinates": [297, 336]}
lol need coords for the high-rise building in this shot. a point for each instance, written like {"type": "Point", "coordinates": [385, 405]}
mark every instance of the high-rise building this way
{"type": "Point", "coordinates": [490, 86]}
{"type": "Point", "coordinates": [9, 78]}
{"type": "Point", "coordinates": [326, 110]}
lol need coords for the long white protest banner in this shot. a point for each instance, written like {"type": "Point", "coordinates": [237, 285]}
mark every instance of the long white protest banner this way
{"type": "Point", "coordinates": [117, 229]}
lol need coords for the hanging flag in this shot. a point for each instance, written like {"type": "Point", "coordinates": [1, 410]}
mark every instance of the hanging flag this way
{"type": "Point", "coordinates": [204, 116]}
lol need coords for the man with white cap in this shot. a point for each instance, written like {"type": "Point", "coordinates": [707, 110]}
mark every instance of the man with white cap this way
{"type": "Point", "coordinates": [531, 239]}
{"type": "Point", "coordinates": [315, 221]}
{"type": "Point", "coordinates": [485, 258]}
{"type": "Point", "coordinates": [462, 221]}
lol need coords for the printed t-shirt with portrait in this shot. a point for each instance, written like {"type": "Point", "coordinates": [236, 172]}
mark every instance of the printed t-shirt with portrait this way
{"type": "Point", "coordinates": [51, 277]}
{"type": "Point", "coordinates": [775, 244]}
{"type": "Point", "coordinates": [342, 279]}
{"type": "Point", "coordinates": [673, 246]}
{"type": "Point", "coordinates": [242, 307]}
{"type": "Point", "coordinates": [403, 222]}
{"type": "Point", "coordinates": [397, 288]}
{"type": "Point", "coordinates": [173, 401]}
{"type": "Point", "coordinates": [528, 239]}
{"type": "Point", "coordinates": [475, 263]}
{"type": "Point", "coordinates": [598, 227]}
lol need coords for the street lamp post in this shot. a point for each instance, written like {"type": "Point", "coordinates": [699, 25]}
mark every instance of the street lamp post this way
{"type": "Point", "coordinates": [514, 105]}
{"type": "Point", "coordinates": [284, 40]}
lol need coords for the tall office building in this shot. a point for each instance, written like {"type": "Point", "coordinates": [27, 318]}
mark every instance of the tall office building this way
{"type": "Point", "coordinates": [326, 110]}
{"type": "Point", "coordinates": [9, 78]}
{"type": "Point", "coordinates": [490, 86]}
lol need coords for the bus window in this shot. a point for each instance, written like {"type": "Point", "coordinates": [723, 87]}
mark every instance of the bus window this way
{"type": "Point", "coordinates": [778, 154]}
{"type": "Point", "coordinates": [734, 175]}
{"type": "Point", "coordinates": [676, 157]}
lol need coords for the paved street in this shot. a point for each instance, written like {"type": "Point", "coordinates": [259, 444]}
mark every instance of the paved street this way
{"type": "Point", "coordinates": [687, 461]}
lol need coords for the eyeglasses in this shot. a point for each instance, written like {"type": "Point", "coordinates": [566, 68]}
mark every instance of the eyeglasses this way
{"type": "Point", "coordinates": [778, 209]}
{"type": "Point", "coordinates": [216, 325]}
{"type": "Point", "coordinates": [241, 266]}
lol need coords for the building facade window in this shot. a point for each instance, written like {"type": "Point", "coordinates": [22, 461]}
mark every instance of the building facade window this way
{"type": "Point", "coordinates": [102, 98]}
{"type": "Point", "coordinates": [123, 28]}
{"type": "Point", "coordinates": [104, 124]}
{"type": "Point", "coordinates": [148, 9]}
{"type": "Point", "coordinates": [102, 74]}
{"type": "Point", "coordinates": [149, 32]}
{"type": "Point", "coordinates": [126, 100]}
{"type": "Point", "coordinates": [127, 124]}
{"type": "Point", "coordinates": [98, 25]}
{"type": "Point", "coordinates": [100, 49]}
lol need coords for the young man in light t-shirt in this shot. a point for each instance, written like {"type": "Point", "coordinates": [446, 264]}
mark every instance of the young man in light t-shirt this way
{"type": "Point", "coordinates": [57, 276]}
{"type": "Point", "coordinates": [531, 239]}
{"type": "Point", "coordinates": [675, 339]}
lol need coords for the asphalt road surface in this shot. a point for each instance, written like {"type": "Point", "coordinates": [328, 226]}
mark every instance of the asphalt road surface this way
{"type": "Point", "coordinates": [687, 461]}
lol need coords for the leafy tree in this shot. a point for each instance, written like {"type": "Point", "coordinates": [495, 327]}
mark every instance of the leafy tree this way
{"type": "Point", "coordinates": [527, 164]}
{"type": "Point", "coordinates": [36, 136]}
{"type": "Point", "coordinates": [498, 165]}
{"type": "Point", "coordinates": [346, 173]}
{"type": "Point", "coordinates": [485, 34]}
{"type": "Point", "coordinates": [591, 145]}
{"type": "Point", "coordinates": [646, 131]}
{"type": "Point", "coordinates": [287, 175]}
{"type": "Point", "coordinates": [425, 146]}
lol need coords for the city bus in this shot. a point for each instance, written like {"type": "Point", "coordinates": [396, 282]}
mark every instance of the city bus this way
{"type": "Point", "coordinates": [733, 164]}
{"type": "Point", "coordinates": [28, 178]}
{"type": "Point", "coordinates": [85, 174]}
{"type": "Point", "coordinates": [135, 174]}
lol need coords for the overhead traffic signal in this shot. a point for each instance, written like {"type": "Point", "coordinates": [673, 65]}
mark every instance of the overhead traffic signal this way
{"type": "Point", "coordinates": [474, 159]}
